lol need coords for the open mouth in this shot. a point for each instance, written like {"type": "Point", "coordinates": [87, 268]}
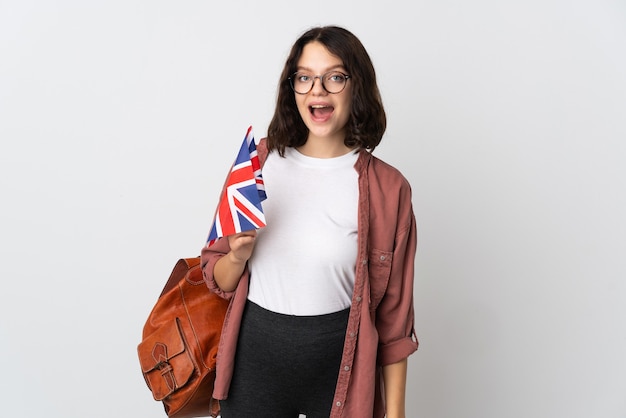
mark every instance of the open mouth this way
{"type": "Point", "coordinates": [321, 111]}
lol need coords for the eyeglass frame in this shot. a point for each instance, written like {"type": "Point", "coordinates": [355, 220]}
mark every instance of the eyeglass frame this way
{"type": "Point", "coordinates": [321, 78]}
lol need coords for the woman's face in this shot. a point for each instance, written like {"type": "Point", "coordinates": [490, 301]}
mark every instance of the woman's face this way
{"type": "Point", "coordinates": [323, 113]}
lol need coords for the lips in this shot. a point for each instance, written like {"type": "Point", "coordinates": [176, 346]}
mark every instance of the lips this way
{"type": "Point", "coordinates": [321, 112]}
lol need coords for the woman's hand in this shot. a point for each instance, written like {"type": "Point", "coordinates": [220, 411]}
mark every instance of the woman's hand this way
{"type": "Point", "coordinates": [228, 269]}
{"type": "Point", "coordinates": [241, 246]}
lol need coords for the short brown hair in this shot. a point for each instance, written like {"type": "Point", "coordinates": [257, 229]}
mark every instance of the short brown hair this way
{"type": "Point", "coordinates": [367, 121]}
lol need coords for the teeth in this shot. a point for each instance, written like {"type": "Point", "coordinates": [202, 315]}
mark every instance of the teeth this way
{"type": "Point", "coordinates": [318, 106]}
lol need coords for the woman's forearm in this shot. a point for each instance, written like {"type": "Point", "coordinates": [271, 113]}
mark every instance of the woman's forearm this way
{"type": "Point", "coordinates": [228, 269]}
{"type": "Point", "coordinates": [394, 377]}
{"type": "Point", "coordinates": [227, 272]}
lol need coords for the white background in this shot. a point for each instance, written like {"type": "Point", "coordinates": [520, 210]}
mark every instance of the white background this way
{"type": "Point", "coordinates": [120, 119]}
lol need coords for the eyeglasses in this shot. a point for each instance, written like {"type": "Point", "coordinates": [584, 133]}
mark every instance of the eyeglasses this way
{"type": "Point", "coordinates": [333, 82]}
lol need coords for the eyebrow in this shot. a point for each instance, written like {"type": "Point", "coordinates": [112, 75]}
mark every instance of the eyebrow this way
{"type": "Point", "coordinates": [335, 67]}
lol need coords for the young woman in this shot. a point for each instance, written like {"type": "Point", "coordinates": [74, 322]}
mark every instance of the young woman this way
{"type": "Point", "coordinates": [321, 315]}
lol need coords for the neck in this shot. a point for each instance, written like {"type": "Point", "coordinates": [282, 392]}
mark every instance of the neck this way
{"type": "Point", "coordinates": [324, 147]}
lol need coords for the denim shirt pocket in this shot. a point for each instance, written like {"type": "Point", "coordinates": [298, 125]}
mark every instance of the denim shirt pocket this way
{"type": "Point", "coordinates": [379, 272]}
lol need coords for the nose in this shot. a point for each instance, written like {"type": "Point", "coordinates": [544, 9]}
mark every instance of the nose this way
{"type": "Point", "coordinates": [318, 88]}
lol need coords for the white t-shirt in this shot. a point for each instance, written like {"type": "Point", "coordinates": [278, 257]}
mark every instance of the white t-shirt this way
{"type": "Point", "coordinates": [304, 260]}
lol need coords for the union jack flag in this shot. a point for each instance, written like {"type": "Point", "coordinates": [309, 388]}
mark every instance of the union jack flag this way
{"type": "Point", "coordinates": [240, 208]}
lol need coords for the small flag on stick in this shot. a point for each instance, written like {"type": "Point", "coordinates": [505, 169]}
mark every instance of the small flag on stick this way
{"type": "Point", "coordinates": [239, 207]}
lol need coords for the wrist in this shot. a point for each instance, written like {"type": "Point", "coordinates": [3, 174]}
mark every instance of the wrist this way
{"type": "Point", "coordinates": [235, 260]}
{"type": "Point", "coordinates": [395, 411]}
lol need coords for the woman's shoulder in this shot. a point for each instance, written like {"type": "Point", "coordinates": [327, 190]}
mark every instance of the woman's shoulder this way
{"type": "Point", "coordinates": [385, 172]}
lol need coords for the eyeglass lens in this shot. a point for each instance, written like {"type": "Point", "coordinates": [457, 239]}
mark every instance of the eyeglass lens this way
{"type": "Point", "coordinates": [332, 82]}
